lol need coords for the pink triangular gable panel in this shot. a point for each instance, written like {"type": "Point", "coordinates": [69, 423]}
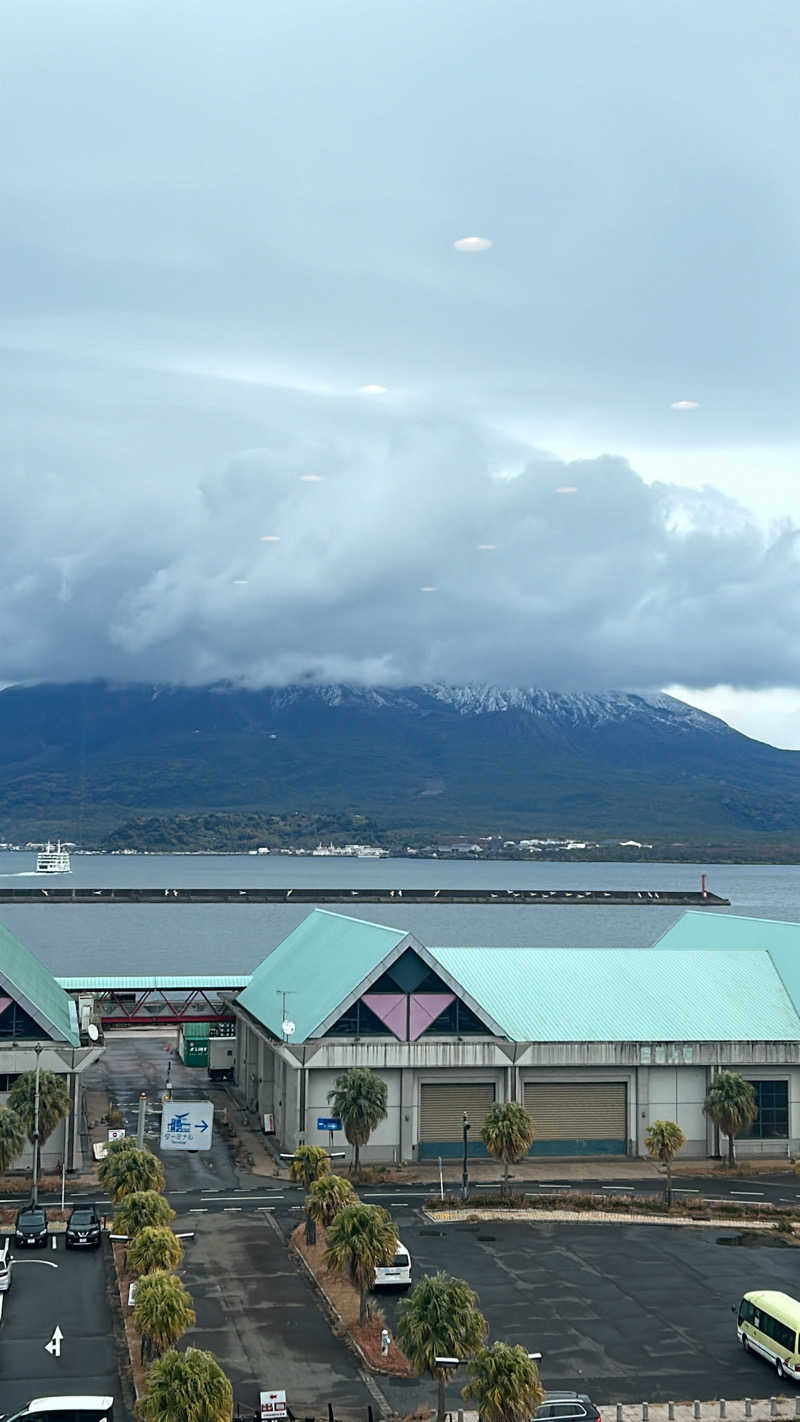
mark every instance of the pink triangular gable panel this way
{"type": "Point", "coordinates": [4, 1003]}
{"type": "Point", "coordinates": [425, 1008]}
{"type": "Point", "coordinates": [390, 1007]}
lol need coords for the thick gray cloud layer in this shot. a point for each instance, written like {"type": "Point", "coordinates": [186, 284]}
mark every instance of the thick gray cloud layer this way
{"type": "Point", "coordinates": [220, 222]}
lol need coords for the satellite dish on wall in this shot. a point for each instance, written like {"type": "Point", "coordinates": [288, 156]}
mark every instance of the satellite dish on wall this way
{"type": "Point", "coordinates": [287, 1028]}
{"type": "Point", "coordinates": [92, 1033]}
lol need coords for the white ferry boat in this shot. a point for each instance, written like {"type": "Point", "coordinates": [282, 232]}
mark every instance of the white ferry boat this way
{"type": "Point", "coordinates": [53, 861]}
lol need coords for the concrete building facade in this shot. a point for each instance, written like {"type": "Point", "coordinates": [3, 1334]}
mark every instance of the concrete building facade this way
{"type": "Point", "coordinates": [39, 1023]}
{"type": "Point", "coordinates": [597, 1043]}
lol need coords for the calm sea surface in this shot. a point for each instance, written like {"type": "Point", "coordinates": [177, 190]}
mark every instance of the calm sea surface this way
{"type": "Point", "coordinates": [219, 938]}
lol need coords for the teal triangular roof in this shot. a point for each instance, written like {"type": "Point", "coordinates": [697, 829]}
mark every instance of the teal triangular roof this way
{"type": "Point", "coordinates": [714, 931]}
{"type": "Point", "coordinates": [625, 995]}
{"type": "Point", "coordinates": [319, 966]}
{"type": "Point", "coordinates": [33, 987]}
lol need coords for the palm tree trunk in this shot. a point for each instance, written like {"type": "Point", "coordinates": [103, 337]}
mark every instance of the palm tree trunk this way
{"type": "Point", "coordinates": [362, 1307]}
{"type": "Point", "coordinates": [356, 1158]}
{"type": "Point", "coordinates": [505, 1177]}
{"type": "Point", "coordinates": [669, 1183]}
{"type": "Point", "coordinates": [440, 1400]}
{"type": "Point", "coordinates": [731, 1152]}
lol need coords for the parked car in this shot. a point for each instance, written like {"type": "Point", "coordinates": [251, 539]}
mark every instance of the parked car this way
{"type": "Point", "coordinates": [72, 1408]}
{"type": "Point", "coordinates": [83, 1228]}
{"type": "Point", "coordinates": [569, 1406]}
{"type": "Point", "coordinates": [5, 1266]}
{"type": "Point", "coordinates": [31, 1227]}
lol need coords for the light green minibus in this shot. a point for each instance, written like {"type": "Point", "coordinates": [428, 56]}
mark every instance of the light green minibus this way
{"type": "Point", "coordinates": [768, 1324]}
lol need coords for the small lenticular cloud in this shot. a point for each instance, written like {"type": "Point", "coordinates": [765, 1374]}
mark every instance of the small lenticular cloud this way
{"type": "Point", "coordinates": [685, 405]}
{"type": "Point", "coordinates": [372, 390]}
{"type": "Point", "coordinates": [429, 589]}
{"type": "Point", "coordinates": [473, 244]}
{"type": "Point", "coordinates": [486, 547]}
{"type": "Point", "coordinates": [567, 489]}
{"type": "Point", "coordinates": [311, 478]}
{"type": "Point", "coordinates": [270, 538]}
{"type": "Point", "coordinates": [240, 582]}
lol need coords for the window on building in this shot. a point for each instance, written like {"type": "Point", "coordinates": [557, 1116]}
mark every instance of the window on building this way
{"type": "Point", "coordinates": [772, 1121]}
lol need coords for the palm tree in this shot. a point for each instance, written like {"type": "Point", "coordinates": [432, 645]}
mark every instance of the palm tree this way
{"type": "Point", "coordinates": [309, 1163]}
{"type": "Point", "coordinates": [359, 1239]}
{"type": "Point", "coordinates": [663, 1140]}
{"type": "Point", "coordinates": [127, 1171]}
{"type": "Point", "coordinates": [327, 1196]}
{"type": "Point", "coordinates": [162, 1311]}
{"type": "Point", "coordinates": [731, 1104]}
{"type": "Point", "coordinates": [504, 1384]}
{"type": "Point", "coordinates": [186, 1387]}
{"type": "Point", "coordinates": [507, 1133]}
{"type": "Point", "coordinates": [153, 1248]}
{"type": "Point", "coordinates": [439, 1319]}
{"type": "Point", "coordinates": [359, 1100]}
{"type": "Point", "coordinates": [12, 1137]}
{"type": "Point", "coordinates": [53, 1102]}
{"type": "Point", "coordinates": [142, 1210]}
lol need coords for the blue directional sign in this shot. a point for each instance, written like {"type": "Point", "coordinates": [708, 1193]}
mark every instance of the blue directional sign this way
{"type": "Point", "coordinates": [328, 1123]}
{"type": "Point", "coordinates": [187, 1125]}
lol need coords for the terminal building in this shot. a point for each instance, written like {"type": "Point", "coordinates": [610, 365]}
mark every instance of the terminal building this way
{"type": "Point", "coordinates": [39, 1021]}
{"type": "Point", "coordinates": [596, 1042]}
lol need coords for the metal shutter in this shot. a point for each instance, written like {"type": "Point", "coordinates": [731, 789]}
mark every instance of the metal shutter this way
{"type": "Point", "coordinates": [580, 1110]}
{"type": "Point", "coordinates": [441, 1109]}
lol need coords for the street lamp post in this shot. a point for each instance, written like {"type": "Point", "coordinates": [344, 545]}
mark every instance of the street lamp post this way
{"type": "Point", "coordinates": [35, 1182]}
{"type": "Point", "coordinates": [465, 1166]}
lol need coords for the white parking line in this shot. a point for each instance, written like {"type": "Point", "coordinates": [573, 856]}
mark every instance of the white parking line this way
{"type": "Point", "coordinates": [243, 1199]}
{"type": "Point", "coordinates": [676, 1191]}
{"type": "Point", "coordinates": [54, 1241]}
{"type": "Point", "coordinates": [232, 1210]}
{"type": "Point", "coordinates": [613, 1187]}
{"type": "Point", "coordinates": [198, 1212]}
{"type": "Point", "coordinates": [2, 1301]}
{"type": "Point", "coordinates": [760, 1193]}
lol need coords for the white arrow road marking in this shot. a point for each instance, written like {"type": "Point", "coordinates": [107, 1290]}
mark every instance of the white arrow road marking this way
{"type": "Point", "coordinates": [48, 1262]}
{"type": "Point", "coordinates": [54, 1346]}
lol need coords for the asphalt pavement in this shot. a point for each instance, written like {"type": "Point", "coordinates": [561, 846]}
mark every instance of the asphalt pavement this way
{"type": "Point", "coordinates": [57, 1333]}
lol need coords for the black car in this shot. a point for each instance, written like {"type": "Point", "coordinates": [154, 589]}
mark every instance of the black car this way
{"type": "Point", "coordinates": [567, 1407]}
{"type": "Point", "coordinates": [31, 1227]}
{"type": "Point", "coordinates": [83, 1228]}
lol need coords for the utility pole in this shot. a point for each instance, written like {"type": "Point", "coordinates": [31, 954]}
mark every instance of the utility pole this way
{"type": "Point", "coordinates": [35, 1185]}
{"type": "Point", "coordinates": [141, 1120]}
{"type": "Point", "coordinates": [465, 1166]}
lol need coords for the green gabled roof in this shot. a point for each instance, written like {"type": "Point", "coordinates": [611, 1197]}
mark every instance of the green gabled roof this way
{"type": "Point", "coordinates": [625, 995]}
{"type": "Point", "coordinates": [322, 963]}
{"type": "Point", "coordinates": [33, 988]}
{"type": "Point", "coordinates": [715, 931]}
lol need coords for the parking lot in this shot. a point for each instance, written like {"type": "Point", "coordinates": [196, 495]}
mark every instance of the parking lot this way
{"type": "Point", "coordinates": [625, 1313]}
{"type": "Point", "coordinates": [261, 1317]}
{"type": "Point", "coordinates": [55, 1289]}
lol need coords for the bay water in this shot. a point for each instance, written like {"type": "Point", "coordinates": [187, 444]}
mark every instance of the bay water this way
{"type": "Point", "coordinates": [233, 939]}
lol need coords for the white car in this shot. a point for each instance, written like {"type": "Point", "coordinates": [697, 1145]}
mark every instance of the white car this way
{"type": "Point", "coordinates": [74, 1409]}
{"type": "Point", "coordinates": [397, 1274]}
{"type": "Point", "coordinates": [5, 1265]}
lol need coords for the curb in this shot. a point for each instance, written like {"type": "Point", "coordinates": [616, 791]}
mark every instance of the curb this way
{"type": "Point", "coordinates": [337, 1317]}
{"type": "Point", "coordinates": [594, 1217]}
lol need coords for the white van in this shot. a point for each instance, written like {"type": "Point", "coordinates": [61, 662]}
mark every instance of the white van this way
{"type": "Point", "coordinates": [79, 1408]}
{"type": "Point", "coordinates": [397, 1274]}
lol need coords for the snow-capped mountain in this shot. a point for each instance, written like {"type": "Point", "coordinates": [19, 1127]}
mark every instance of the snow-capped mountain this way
{"type": "Point", "coordinates": [444, 759]}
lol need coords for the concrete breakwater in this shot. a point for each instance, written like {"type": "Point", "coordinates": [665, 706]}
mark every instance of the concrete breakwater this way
{"type": "Point", "coordinates": [66, 894]}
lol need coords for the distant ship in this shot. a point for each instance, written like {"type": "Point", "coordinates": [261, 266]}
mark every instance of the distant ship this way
{"type": "Point", "coordinates": [53, 861]}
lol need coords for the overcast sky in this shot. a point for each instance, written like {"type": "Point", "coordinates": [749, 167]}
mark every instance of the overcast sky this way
{"type": "Point", "coordinates": [262, 419]}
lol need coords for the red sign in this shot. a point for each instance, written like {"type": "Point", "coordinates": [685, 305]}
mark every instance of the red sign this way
{"type": "Point", "coordinates": [273, 1404]}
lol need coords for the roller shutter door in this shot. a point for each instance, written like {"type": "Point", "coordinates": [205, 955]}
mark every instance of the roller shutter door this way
{"type": "Point", "coordinates": [441, 1114]}
{"type": "Point", "coordinates": [578, 1117]}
